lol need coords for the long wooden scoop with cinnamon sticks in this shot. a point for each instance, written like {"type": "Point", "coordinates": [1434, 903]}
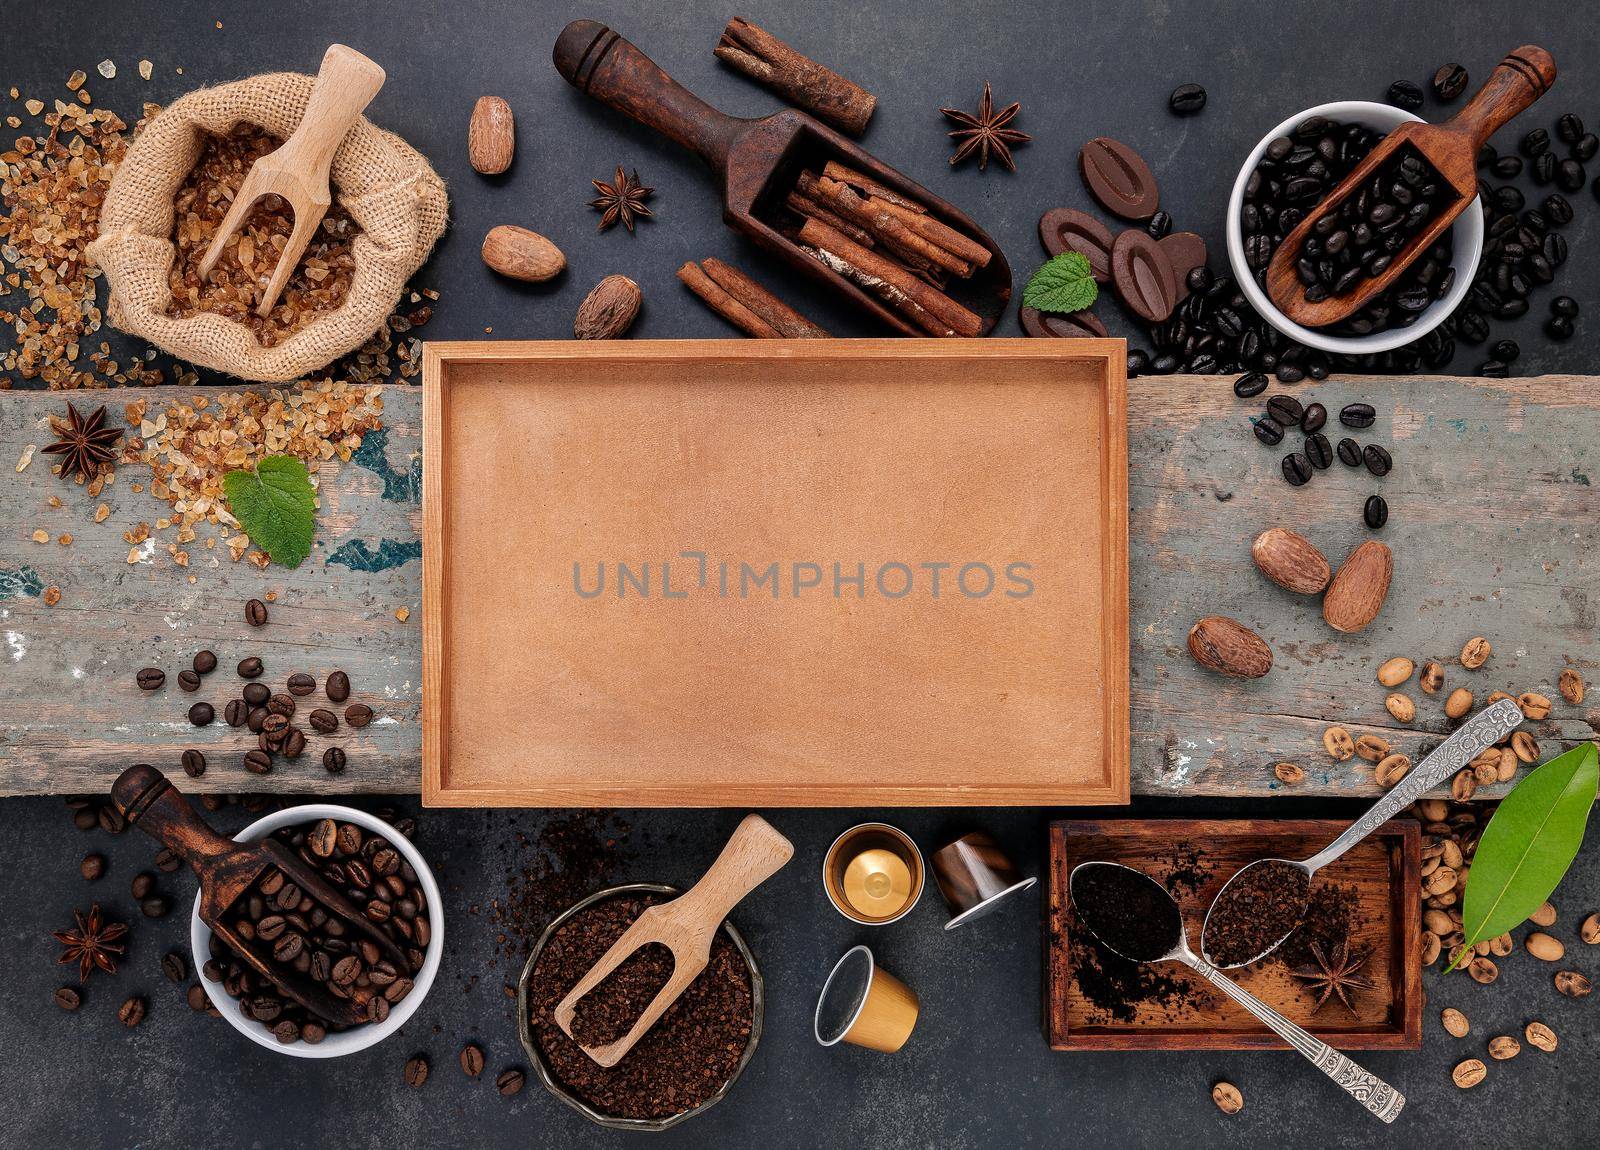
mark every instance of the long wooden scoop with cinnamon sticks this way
{"type": "Point", "coordinates": [882, 242]}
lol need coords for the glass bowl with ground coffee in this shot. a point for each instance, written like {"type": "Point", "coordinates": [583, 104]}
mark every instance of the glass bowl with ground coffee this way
{"type": "Point", "coordinates": [685, 1064]}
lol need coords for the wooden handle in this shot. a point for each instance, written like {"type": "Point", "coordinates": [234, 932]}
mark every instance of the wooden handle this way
{"type": "Point", "coordinates": [754, 854]}
{"type": "Point", "coordinates": [346, 83]}
{"type": "Point", "coordinates": [1517, 81]}
{"type": "Point", "coordinates": [600, 63]}
{"type": "Point", "coordinates": [149, 801]}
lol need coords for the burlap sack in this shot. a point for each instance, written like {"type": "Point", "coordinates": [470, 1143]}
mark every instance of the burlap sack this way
{"type": "Point", "coordinates": [386, 185]}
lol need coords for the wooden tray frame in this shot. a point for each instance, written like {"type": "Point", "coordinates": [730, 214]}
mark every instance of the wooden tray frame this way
{"type": "Point", "coordinates": [1105, 355]}
{"type": "Point", "coordinates": [1405, 911]}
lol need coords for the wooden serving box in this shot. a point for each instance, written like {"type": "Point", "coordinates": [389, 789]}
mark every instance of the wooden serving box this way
{"type": "Point", "coordinates": [687, 469]}
{"type": "Point", "coordinates": [1194, 858]}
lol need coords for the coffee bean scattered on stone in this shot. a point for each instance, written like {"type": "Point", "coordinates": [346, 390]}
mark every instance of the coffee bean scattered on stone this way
{"type": "Point", "coordinates": [416, 1071]}
{"type": "Point", "coordinates": [132, 1012]}
{"type": "Point", "coordinates": [201, 714]}
{"type": "Point", "coordinates": [334, 760]}
{"type": "Point", "coordinates": [205, 662]}
{"type": "Point", "coordinates": [1376, 512]}
{"type": "Point", "coordinates": [509, 1082]}
{"type": "Point", "coordinates": [1349, 452]}
{"type": "Point", "coordinates": [1269, 431]}
{"type": "Point", "coordinates": [323, 721]}
{"type": "Point", "coordinates": [1319, 451]}
{"type": "Point", "coordinates": [301, 683]}
{"type": "Point", "coordinates": [1296, 469]}
{"type": "Point", "coordinates": [256, 694]}
{"type": "Point", "coordinates": [1449, 82]}
{"type": "Point", "coordinates": [194, 762]}
{"type": "Point", "coordinates": [67, 998]}
{"type": "Point", "coordinates": [337, 687]}
{"type": "Point", "coordinates": [150, 678]}
{"type": "Point", "coordinates": [471, 1060]}
{"type": "Point", "coordinates": [156, 906]}
{"type": "Point", "coordinates": [1187, 99]}
{"type": "Point", "coordinates": [1357, 415]}
{"type": "Point", "coordinates": [1377, 459]}
{"type": "Point", "coordinates": [250, 668]}
{"type": "Point", "coordinates": [258, 762]}
{"type": "Point", "coordinates": [1405, 94]}
{"type": "Point", "coordinates": [358, 714]}
{"type": "Point", "coordinates": [188, 680]}
{"type": "Point", "coordinates": [255, 613]}
{"type": "Point", "coordinates": [92, 866]}
{"type": "Point", "coordinates": [174, 966]}
{"type": "Point", "coordinates": [143, 883]}
{"type": "Point", "coordinates": [236, 712]}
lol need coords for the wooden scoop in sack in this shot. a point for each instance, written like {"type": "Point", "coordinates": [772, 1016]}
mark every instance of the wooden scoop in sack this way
{"type": "Point", "coordinates": [298, 171]}
{"type": "Point", "coordinates": [686, 926]}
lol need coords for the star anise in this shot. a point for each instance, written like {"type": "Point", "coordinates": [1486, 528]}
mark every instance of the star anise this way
{"type": "Point", "coordinates": [986, 132]}
{"type": "Point", "coordinates": [622, 200]}
{"type": "Point", "coordinates": [85, 445]}
{"type": "Point", "coordinates": [1336, 976]}
{"type": "Point", "coordinates": [91, 944]}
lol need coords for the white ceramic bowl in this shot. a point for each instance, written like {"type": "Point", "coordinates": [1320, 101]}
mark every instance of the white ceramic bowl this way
{"type": "Point", "coordinates": [1467, 233]}
{"type": "Point", "coordinates": [360, 1037]}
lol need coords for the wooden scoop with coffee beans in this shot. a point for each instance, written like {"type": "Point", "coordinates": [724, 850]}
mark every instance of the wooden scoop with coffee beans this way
{"type": "Point", "coordinates": [229, 871]}
{"type": "Point", "coordinates": [686, 926]}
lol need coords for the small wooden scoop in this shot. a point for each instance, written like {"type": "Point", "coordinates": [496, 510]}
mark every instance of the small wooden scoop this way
{"type": "Point", "coordinates": [685, 926]}
{"type": "Point", "coordinates": [759, 162]}
{"type": "Point", "coordinates": [1450, 148]}
{"type": "Point", "coordinates": [228, 869]}
{"type": "Point", "coordinates": [298, 171]}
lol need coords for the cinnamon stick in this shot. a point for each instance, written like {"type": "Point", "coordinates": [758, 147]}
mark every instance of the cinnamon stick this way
{"type": "Point", "coordinates": [948, 317]}
{"type": "Point", "coordinates": [724, 304]}
{"type": "Point", "coordinates": [804, 205]}
{"type": "Point", "coordinates": [782, 318]}
{"type": "Point", "coordinates": [884, 291]}
{"type": "Point", "coordinates": [932, 230]}
{"type": "Point", "coordinates": [884, 225]}
{"type": "Point", "coordinates": [834, 170]}
{"type": "Point", "coordinates": [798, 79]}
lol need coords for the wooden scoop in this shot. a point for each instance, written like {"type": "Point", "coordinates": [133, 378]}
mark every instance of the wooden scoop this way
{"type": "Point", "coordinates": [298, 170]}
{"type": "Point", "coordinates": [1450, 148]}
{"type": "Point", "coordinates": [227, 871]}
{"type": "Point", "coordinates": [759, 163]}
{"type": "Point", "coordinates": [685, 926]}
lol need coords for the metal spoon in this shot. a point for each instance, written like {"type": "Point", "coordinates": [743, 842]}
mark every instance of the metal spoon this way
{"type": "Point", "coordinates": [1365, 1087]}
{"type": "Point", "coordinates": [1484, 729]}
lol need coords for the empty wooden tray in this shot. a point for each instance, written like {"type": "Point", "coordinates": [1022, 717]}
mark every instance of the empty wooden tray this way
{"type": "Point", "coordinates": [768, 518]}
{"type": "Point", "coordinates": [1178, 1010]}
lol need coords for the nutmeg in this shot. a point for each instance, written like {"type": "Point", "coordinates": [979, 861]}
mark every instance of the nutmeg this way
{"type": "Point", "coordinates": [1228, 647]}
{"type": "Point", "coordinates": [491, 136]}
{"type": "Point", "coordinates": [521, 254]}
{"type": "Point", "coordinates": [607, 311]}
{"type": "Point", "coordinates": [1359, 588]}
{"type": "Point", "coordinates": [1290, 560]}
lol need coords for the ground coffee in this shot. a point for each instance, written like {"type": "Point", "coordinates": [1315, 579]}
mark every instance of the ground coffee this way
{"type": "Point", "coordinates": [1254, 911]}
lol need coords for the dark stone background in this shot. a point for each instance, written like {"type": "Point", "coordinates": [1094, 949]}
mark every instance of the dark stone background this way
{"type": "Point", "coordinates": [977, 1072]}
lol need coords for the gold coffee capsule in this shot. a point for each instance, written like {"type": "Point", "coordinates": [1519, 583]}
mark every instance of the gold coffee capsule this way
{"type": "Point", "coordinates": [873, 874]}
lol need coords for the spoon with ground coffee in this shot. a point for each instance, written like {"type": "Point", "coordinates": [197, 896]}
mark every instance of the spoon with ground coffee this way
{"type": "Point", "coordinates": [1133, 915]}
{"type": "Point", "coordinates": [1259, 907]}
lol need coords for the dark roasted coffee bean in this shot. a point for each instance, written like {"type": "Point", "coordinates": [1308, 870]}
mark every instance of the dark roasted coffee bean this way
{"type": "Point", "coordinates": [1285, 410]}
{"type": "Point", "coordinates": [1543, 168]}
{"type": "Point", "coordinates": [1569, 128]}
{"type": "Point", "coordinates": [258, 762]}
{"type": "Point", "coordinates": [1376, 512]}
{"type": "Point", "coordinates": [1296, 468]}
{"type": "Point", "coordinates": [1471, 326]}
{"type": "Point", "coordinates": [197, 997]}
{"type": "Point", "coordinates": [250, 668]}
{"type": "Point", "coordinates": [416, 1072]}
{"type": "Point", "coordinates": [509, 1082]}
{"type": "Point", "coordinates": [1377, 459]}
{"type": "Point", "coordinates": [471, 1060]}
{"type": "Point", "coordinates": [201, 714]}
{"type": "Point", "coordinates": [1250, 384]}
{"type": "Point", "coordinates": [1449, 81]}
{"type": "Point", "coordinates": [274, 723]}
{"type": "Point", "coordinates": [143, 883]}
{"type": "Point", "coordinates": [334, 760]}
{"type": "Point", "coordinates": [256, 694]}
{"type": "Point", "coordinates": [1319, 451]}
{"type": "Point", "coordinates": [92, 866]}
{"type": "Point", "coordinates": [288, 947]}
{"type": "Point", "coordinates": [1558, 327]}
{"type": "Point", "coordinates": [1507, 167]}
{"type": "Point", "coordinates": [167, 860]}
{"type": "Point", "coordinates": [1269, 431]}
{"type": "Point", "coordinates": [194, 763]}
{"type": "Point", "coordinates": [337, 687]}
{"type": "Point", "coordinates": [67, 998]}
{"type": "Point", "coordinates": [131, 1012]}
{"type": "Point", "coordinates": [150, 678]}
{"type": "Point", "coordinates": [1558, 209]}
{"type": "Point", "coordinates": [1187, 99]}
{"type": "Point", "coordinates": [111, 820]}
{"type": "Point", "coordinates": [1505, 350]}
{"type": "Point", "coordinates": [156, 906]}
{"type": "Point", "coordinates": [323, 838]}
{"type": "Point", "coordinates": [1159, 225]}
{"type": "Point", "coordinates": [1349, 452]}
{"type": "Point", "coordinates": [1357, 415]}
{"type": "Point", "coordinates": [1586, 147]}
{"type": "Point", "coordinates": [1535, 143]}
{"type": "Point", "coordinates": [1570, 176]}
{"type": "Point", "coordinates": [294, 743]}
{"type": "Point", "coordinates": [1564, 305]}
{"type": "Point", "coordinates": [323, 721]}
{"type": "Point", "coordinates": [281, 704]}
{"type": "Point", "coordinates": [237, 712]}
{"type": "Point", "coordinates": [286, 1031]}
{"type": "Point", "coordinates": [1313, 419]}
{"type": "Point", "coordinates": [1138, 364]}
{"type": "Point", "coordinates": [174, 966]}
{"type": "Point", "coordinates": [1289, 373]}
{"type": "Point", "coordinates": [257, 719]}
{"type": "Point", "coordinates": [1493, 368]}
{"type": "Point", "coordinates": [1508, 199]}
{"type": "Point", "coordinates": [1404, 94]}
{"type": "Point", "coordinates": [255, 613]}
{"type": "Point", "coordinates": [188, 680]}
{"type": "Point", "coordinates": [358, 714]}
{"type": "Point", "coordinates": [301, 683]}
{"type": "Point", "coordinates": [312, 1032]}
{"type": "Point", "coordinates": [205, 662]}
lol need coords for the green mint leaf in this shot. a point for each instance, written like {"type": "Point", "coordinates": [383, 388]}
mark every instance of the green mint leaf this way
{"type": "Point", "coordinates": [276, 505]}
{"type": "Point", "coordinates": [1064, 284]}
{"type": "Point", "coordinates": [1528, 845]}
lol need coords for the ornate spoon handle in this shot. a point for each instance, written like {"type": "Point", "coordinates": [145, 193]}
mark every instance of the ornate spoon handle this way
{"type": "Point", "coordinates": [1365, 1087]}
{"type": "Point", "coordinates": [1484, 729]}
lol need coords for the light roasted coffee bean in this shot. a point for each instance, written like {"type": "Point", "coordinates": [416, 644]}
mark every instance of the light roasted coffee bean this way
{"type": "Point", "coordinates": [1503, 1047]}
{"type": "Point", "coordinates": [1540, 1037]}
{"type": "Point", "coordinates": [1288, 773]}
{"type": "Point", "coordinates": [1459, 703]}
{"type": "Point", "coordinates": [1534, 705]}
{"type": "Point", "coordinates": [1401, 707]}
{"type": "Point", "coordinates": [1372, 747]}
{"type": "Point", "coordinates": [1227, 1097]}
{"type": "Point", "coordinates": [1395, 671]}
{"type": "Point", "coordinates": [1454, 1022]}
{"type": "Point", "coordinates": [1469, 1073]}
{"type": "Point", "coordinates": [1475, 653]}
{"type": "Point", "coordinates": [1432, 678]}
{"type": "Point", "coordinates": [1339, 744]}
{"type": "Point", "coordinates": [1545, 947]}
{"type": "Point", "coordinates": [1571, 685]}
{"type": "Point", "coordinates": [1572, 984]}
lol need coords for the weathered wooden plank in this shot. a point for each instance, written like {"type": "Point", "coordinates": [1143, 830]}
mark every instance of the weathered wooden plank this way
{"type": "Point", "coordinates": [1493, 524]}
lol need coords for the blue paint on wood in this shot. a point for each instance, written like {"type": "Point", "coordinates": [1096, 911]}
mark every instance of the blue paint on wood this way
{"type": "Point", "coordinates": [26, 581]}
{"type": "Point", "coordinates": [398, 487]}
{"type": "Point", "coordinates": [358, 556]}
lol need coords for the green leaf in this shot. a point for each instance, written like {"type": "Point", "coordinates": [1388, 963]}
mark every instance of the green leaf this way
{"type": "Point", "coordinates": [276, 505]}
{"type": "Point", "coordinates": [1529, 844]}
{"type": "Point", "coordinates": [1064, 284]}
